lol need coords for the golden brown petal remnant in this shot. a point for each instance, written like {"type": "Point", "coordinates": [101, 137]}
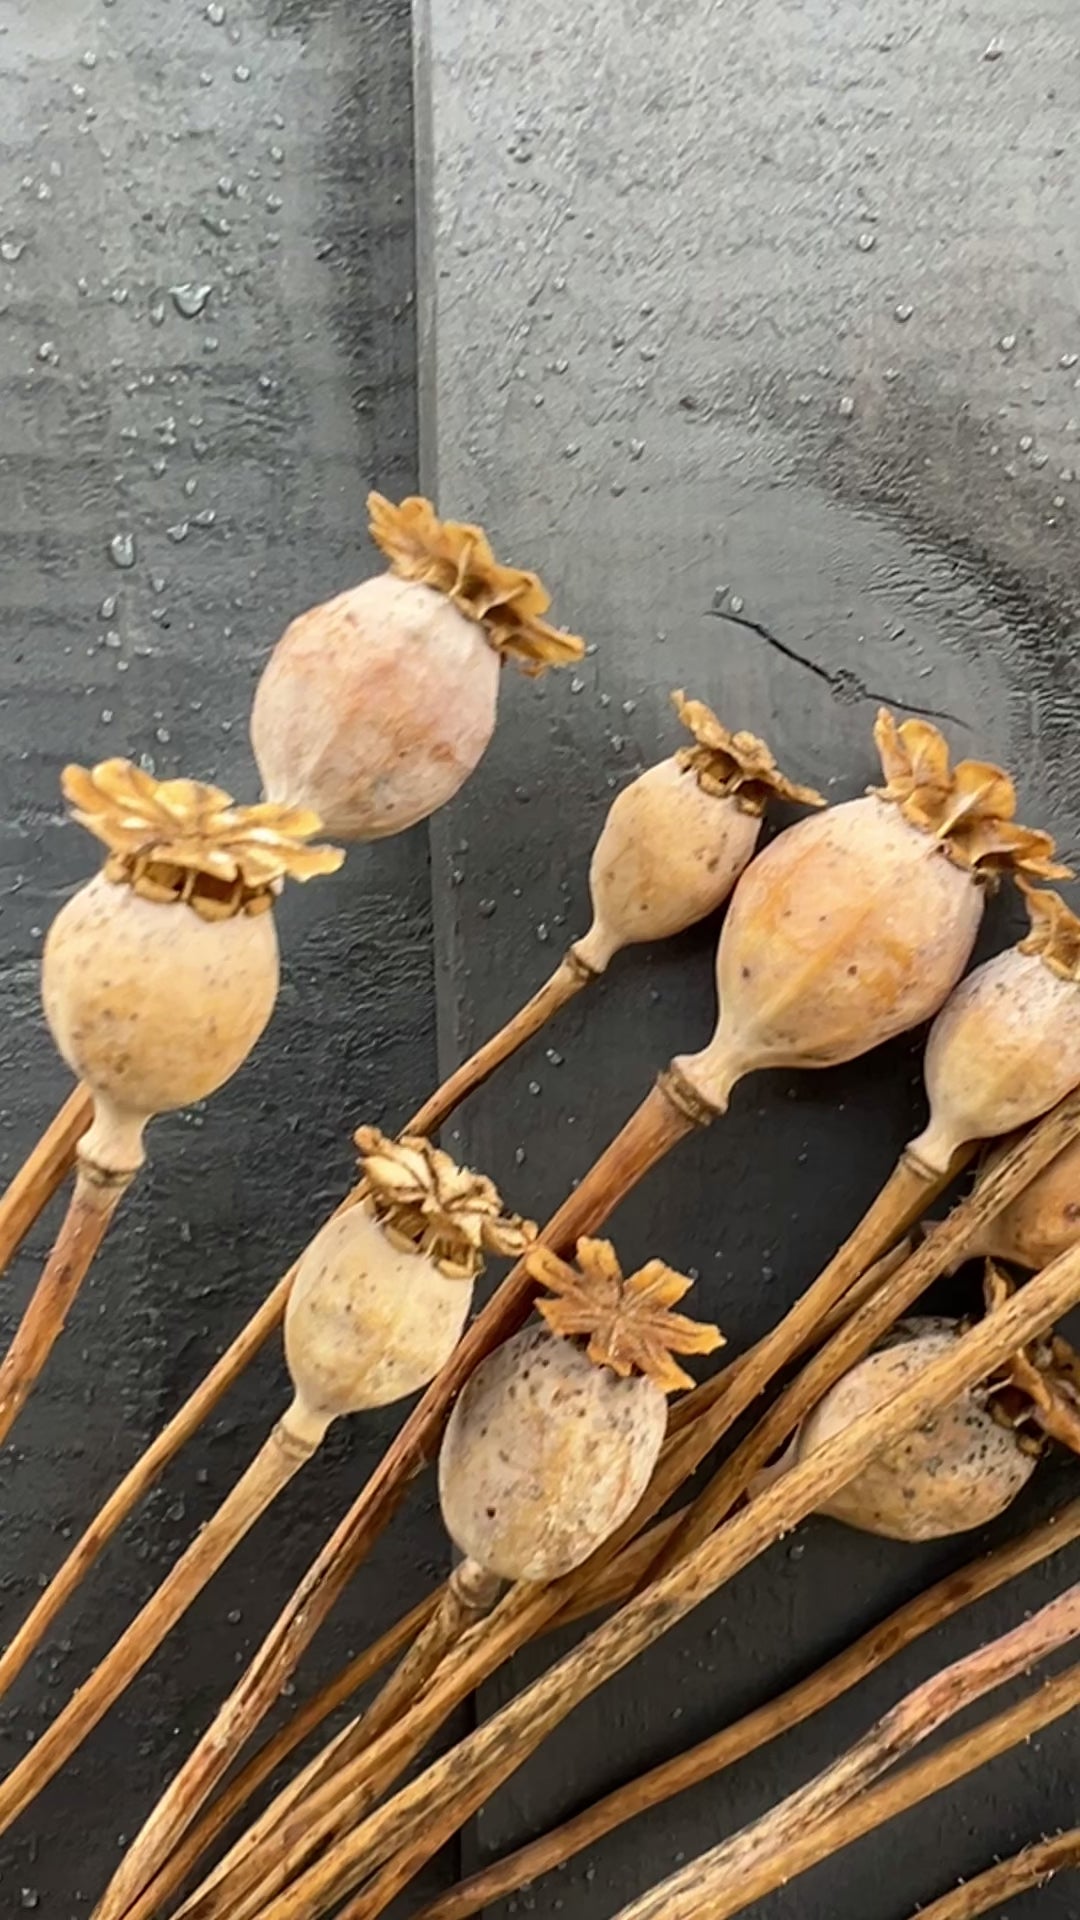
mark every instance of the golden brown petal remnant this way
{"type": "Point", "coordinates": [1055, 932]}
{"type": "Point", "coordinates": [628, 1322]}
{"type": "Point", "coordinates": [969, 808]}
{"type": "Point", "coordinates": [734, 763]}
{"type": "Point", "coordinates": [457, 560]}
{"type": "Point", "coordinates": [1039, 1384]}
{"type": "Point", "coordinates": [177, 840]}
{"type": "Point", "coordinates": [427, 1204]}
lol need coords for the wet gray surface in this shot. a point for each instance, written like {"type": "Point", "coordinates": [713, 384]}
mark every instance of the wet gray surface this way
{"type": "Point", "coordinates": [752, 327]}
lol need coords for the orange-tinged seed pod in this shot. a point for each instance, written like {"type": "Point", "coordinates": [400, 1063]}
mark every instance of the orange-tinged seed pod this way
{"type": "Point", "coordinates": [375, 707]}
{"type": "Point", "coordinates": [853, 926]}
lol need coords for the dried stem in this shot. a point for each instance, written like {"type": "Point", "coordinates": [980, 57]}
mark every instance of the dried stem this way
{"type": "Point", "coordinates": [756, 1729]}
{"type": "Point", "coordinates": [85, 1224]}
{"type": "Point", "coordinates": [896, 1795]}
{"type": "Point", "coordinates": [456, 1784]}
{"type": "Point", "coordinates": [42, 1172]}
{"type": "Point", "coordinates": [569, 978]}
{"type": "Point", "coordinates": [272, 1468]}
{"type": "Point", "coordinates": [905, 1195]}
{"type": "Point", "coordinates": [1007, 1879]}
{"type": "Point", "coordinates": [709, 1882]}
{"type": "Point", "coordinates": [656, 1126]}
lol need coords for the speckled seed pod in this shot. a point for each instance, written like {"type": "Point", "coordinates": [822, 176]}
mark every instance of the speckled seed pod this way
{"type": "Point", "coordinates": [1006, 1045]}
{"type": "Point", "coordinates": [383, 1291]}
{"type": "Point", "coordinates": [854, 926]}
{"type": "Point", "coordinates": [958, 1471]}
{"type": "Point", "coordinates": [677, 838]}
{"type": "Point", "coordinates": [551, 1444]}
{"type": "Point", "coordinates": [161, 973]}
{"type": "Point", "coordinates": [1043, 1221]}
{"type": "Point", "coordinates": [375, 707]}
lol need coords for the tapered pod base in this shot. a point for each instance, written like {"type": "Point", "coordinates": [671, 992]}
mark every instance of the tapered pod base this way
{"type": "Point", "coordinates": [92, 1205]}
{"type": "Point", "coordinates": [43, 1171]}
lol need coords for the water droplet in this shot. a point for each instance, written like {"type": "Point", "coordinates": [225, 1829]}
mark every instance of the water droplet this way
{"type": "Point", "coordinates": [29, 1898]}
{"type": "Point", "coordinates": [534, 1087]}
{"type": "Point", "coordinates": [555, 1058]}
{"type": "Point", "coordinates": [206, 78]}
{"type": "Point", "coordinates": [571, 448]}
{"type": "Point", "coordinates": [1067, 360]}
{"type": "Point", "coordinates": [89, 58]}
{"type": "Point", "coordinates": [637, 448]}
{"type": "Point", "coordinates": [866, 242]}
{"type": "Point", "coordinates": [162, 734]}
{"type": "Point", "coordinates": [215, 13]}
{"type": "Point", "coordinates": [78, 91]}
{"type": "Point", "coordinates": [277, 154]}
{"type": "Point", "coordinates": [576, 685]}
{"type": "Point", "coordinates": [159, 466]}
{"type": "Point", "coordinates": [846, 407]}
{"type": "Point", "coordinates": [736, 603]}
{"type": "Point", "coordinates": [995, 50]}
{"type": "Point", "coordinates": [618, 487]}
{"type": "Point", "coordinates": [215, 223]}
{"type": "Point", "coordinates": [1039, 459]}
{"type": "Point", "coordinates": [904, 311]}
{"type": "Point", "coordinates": [485, 909]}
{"type": "Point", "coordinates": [112, 640]}
{"type": "Point", "coordinates": [205, 517]}
{"type": "Point", "coordinates": [241, 73]}
{"type": "Point", "coordinates": [178, 532]}
{"type": "Point", "coordinates": [1026, 443]}
{"type": "Point", "coordinates": [122, 550]}
{"type": "Point", "coordinates": [273, 203]}
{"type": "Point", "coordinates": [107, 608]}
{"type": "Point", "coordinates": [155, 312]}
{"type": "Point", "coordinates": [189, 298]}
{"type": "Point", "coordinates": [1007, 342]}
{"type": "Point", "coordinates": [49, 352]}
{"type": "Point", "coordinates": [106, 715]}
{"type": "Point", "coordinates": [119, 296]}
{"type": "Point", "coordinates": [226, 185]}
{"type": "Point", "coordinates": [12, 250]}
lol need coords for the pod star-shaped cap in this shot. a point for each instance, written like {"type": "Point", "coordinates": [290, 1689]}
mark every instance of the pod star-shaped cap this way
{"type": "Point", "coordinates": [627, 1322]}
{"type": "Point", "coordinates": [1055, 931]}
{"type": "Point", "coordinates": [1044, 1376]}
{"type": "Point", "coordinates": [178, 840]}
{"type": "Point", "coordinates": [735, 764]}
{"type": "Point", "coordinates": [426, 1203]}
{"type": "Point", "coordinates": [456, 559]}
{"type": "Point", "coordinates": [970, 808]}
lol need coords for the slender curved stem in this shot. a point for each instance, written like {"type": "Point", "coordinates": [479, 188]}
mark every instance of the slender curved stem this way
{"type": "Point", "coordinates": [43, 1171]}
{"type": "Point", "coordinates": [1007, 1879]}
{"type": "Point", "coordinates": [908, 1623]}
{"type": "Point", "coordinates": [273, 1467]}
{"type": "Point", "coordinates": [570, 976]}
{"type": "Point", "coordinates": [84, 1227]}
{"type": "Point", "coordinates": [709, 1883]}
{"type": "Point", "coordinates": [897, 1794]}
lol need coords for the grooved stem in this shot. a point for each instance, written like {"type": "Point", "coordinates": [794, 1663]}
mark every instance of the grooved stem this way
{"type": "Point", "coordinates": [85, 1224]}
{"type": "Point", "coordinates": [568, 979]}
{"type": "Point", "coordinates": [45, 1167]}
{"type": "Point", "coordinates": [714, 1882]}
{"type": "Point", "coordinates": [756, 1729]}
{"type": "Point", "coordinates": [272, 1468]}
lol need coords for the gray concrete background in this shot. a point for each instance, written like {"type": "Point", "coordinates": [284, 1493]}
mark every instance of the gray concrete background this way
{"type": "Point", "coordinates": [666, 260]}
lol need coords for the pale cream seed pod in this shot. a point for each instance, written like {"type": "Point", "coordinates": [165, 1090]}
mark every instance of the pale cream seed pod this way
{"type": "Point", "coordinates": [1005, 1047]}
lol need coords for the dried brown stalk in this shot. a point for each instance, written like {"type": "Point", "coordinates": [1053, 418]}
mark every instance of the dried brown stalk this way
{"type": "Point", "coordinates": [316, 1596]}
{"type": "Point", "coordinates": [895, 1795]}
{"type": "Point", "coordinates": [43, 1171]}
{"type": "Point", "coordinates": [1036, 1866]}
{"type": "Point", "coordinates": [85, 1225]}
{"type": "Point", "coordinates": [710, 1881]}
{"type": "Point", "coordinates": [756, 1729]}
{"type": "Point", "coordinates": [460, 1781]}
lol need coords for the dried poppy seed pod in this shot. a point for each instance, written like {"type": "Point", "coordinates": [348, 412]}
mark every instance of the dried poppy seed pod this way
{"type": "Point", "coordinates": [551, 1443]}
{"type": "Point", "coordinates": [959, 1470]}
{"type": "Point", "coordinates": [161, 973]}
{"type": "Point", "coordinates": [383, 1291]}
{"type": "Point", "coordinates": [375, 707]}
{"type": "Point", "coordinates": [677, 838]}
{"type": "Point", "coordinates": [1043, 1221]}
{"type": "Point", "coordinates": [1006, 1045]}
{"type": "Point", "coordinates": [853, 926]}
